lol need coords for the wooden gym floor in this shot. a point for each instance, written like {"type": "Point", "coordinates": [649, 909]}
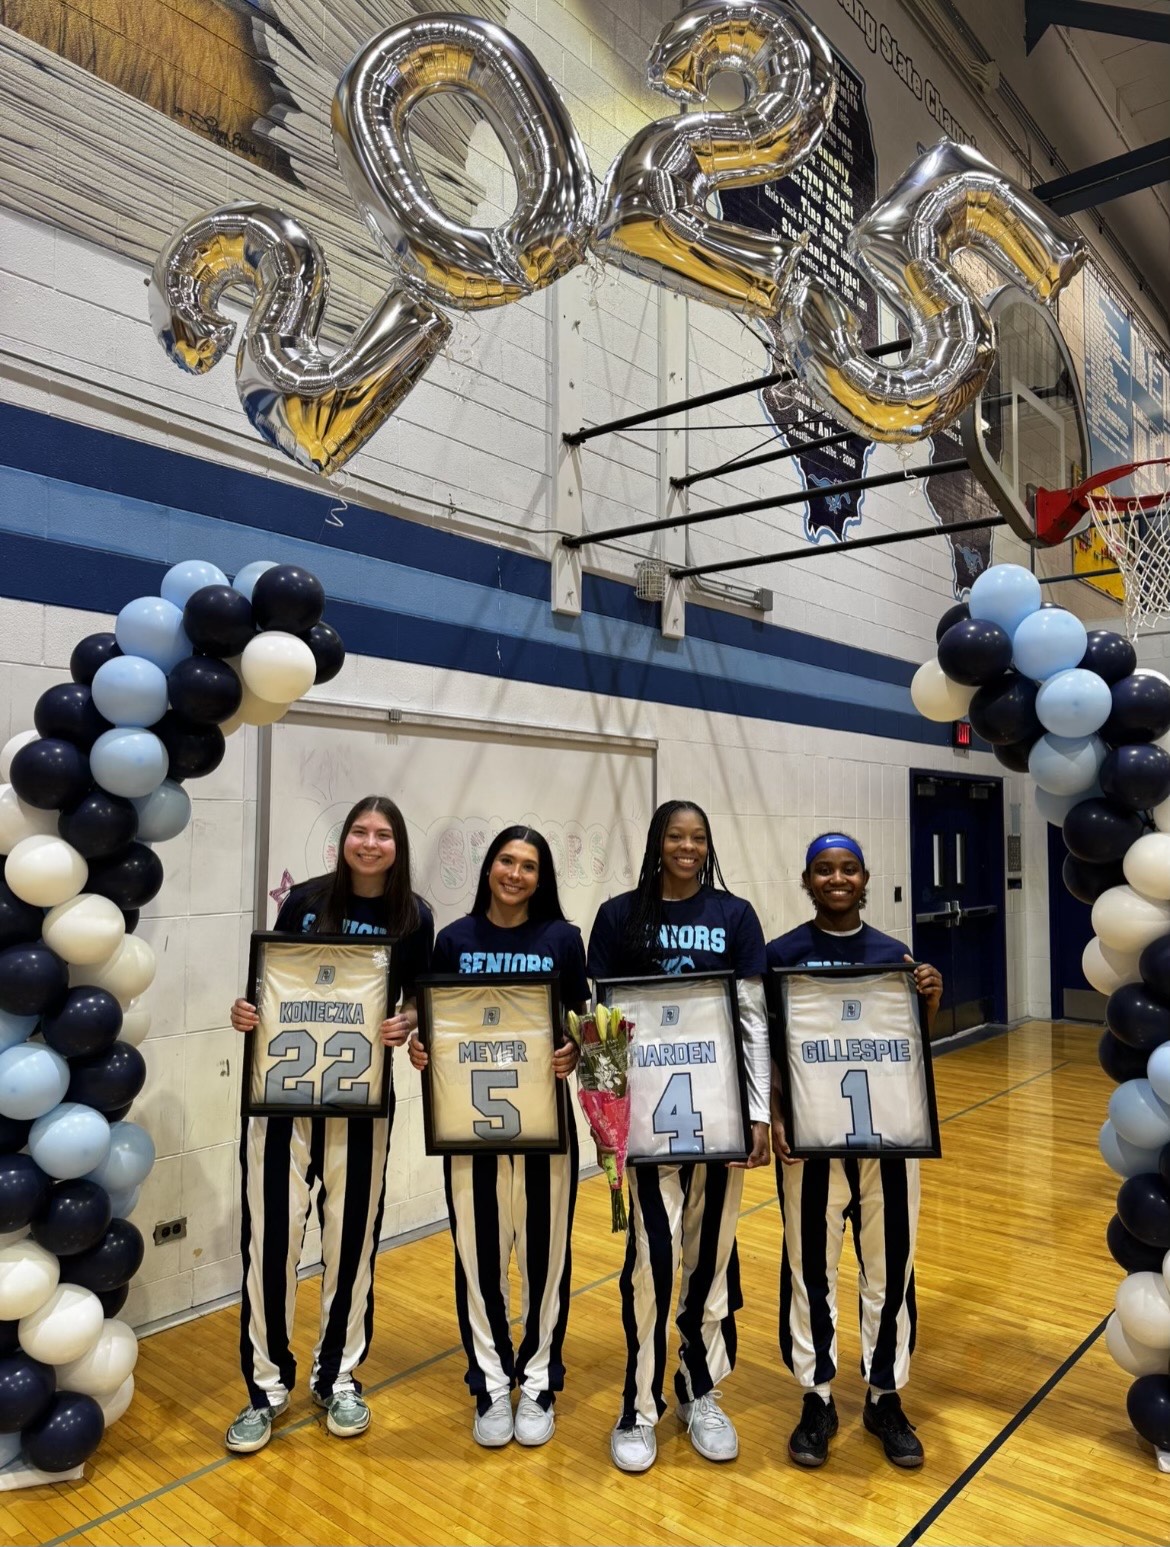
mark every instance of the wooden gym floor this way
{"type": "Point", "coordinates": [1021, 1411]}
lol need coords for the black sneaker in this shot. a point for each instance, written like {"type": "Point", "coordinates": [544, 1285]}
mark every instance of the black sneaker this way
{"type": "Point", "coordinates": [809, 1445]}
{"type": "Point", "coordinates": [886, 1419]}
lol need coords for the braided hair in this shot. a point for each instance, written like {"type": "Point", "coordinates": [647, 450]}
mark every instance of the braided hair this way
{"type": "Point", "coordinates": [646, 917]}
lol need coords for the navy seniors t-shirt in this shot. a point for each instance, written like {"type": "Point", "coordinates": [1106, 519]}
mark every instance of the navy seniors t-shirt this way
{"type": "Point", "coordinates": [474, 944]}
{"type": "Point", "coordinates": [808, 946]}
{"type": "Point", "coordinates": [365, 916]}
{"type": "Point", "coordinates": [709, 932]}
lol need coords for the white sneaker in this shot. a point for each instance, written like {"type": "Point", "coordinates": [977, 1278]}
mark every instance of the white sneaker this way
{"type": "Point", "coordinates": [712, 1432]}
{"type": "Point", "coordinates": [251, 1429]}
{"type": "Point", "coordinates": [533, 1426]}
{"type": "Point", "coordinates": [494, 1428]}
{"type": "Point", "coordinates": [633, 1450]}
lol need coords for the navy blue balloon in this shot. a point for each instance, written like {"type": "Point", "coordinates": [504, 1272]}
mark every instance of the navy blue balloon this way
{"type": "Point", "coordinates": [959, 613]}
{"type": "Point", "coordinates": [24, 1191]}
{"type": "Point", "coordinates": [1164, 1164]}
{"type": "Point", "coordinates": [33, 979]}
{"type": "Point", "coordinates": [204, 689]}
{"type": "Point", "coordinates": [131, 915]}
{"type": "Point", "coordinates": [131, 877]}
{"type": "Point", "coordinates": [20, 921]}
{"type": "Point", "coordinates": [67, 711]}
{"type": "Point", "coordinates": [108, 1081]}
{"type": "Point", "coordinates": [112, 1262]}
{"type": "Point", "coordinates": [99, 824]}
{"type": "Point", "coordinates": [1136, 776]}
{"type": "Point", "coordinates": [1110, 655]}
{"type": "Point", "coordinates": [26, 1391]}
{"type": "Point", "coordinates": [14, 1132]}
{"type": "Point", "coordinates": [194, 750]}
{"type": "Point", "coordinates": [1136, 1018]}
{"type": "Point", "coordinates": [1015, 754]}
{"type": "Point", "coordinates": [86, 1022]}
{"type": "Point", "coordinates": [288, 597]}
{"type": "Point", "coordinates": [75, 1217]}
{"type": "Point", "coordinates": [1086, 882]}
{"type": "Point", "coordinates": [218, 620]}
{"type": "Point", "coordinates": [90, 653]}
{"type": "Point", "coordinates": [1120, 1061]}
{"type": "Point", "coordinates": [328, 651]}
{"type": "Point", "coordinates": [1148, 1404]}
{"type": "Point", "coordinates": [1141, 710]}
{"type": "Point", "coordinates": [9, 1337]}
{"type": "Point", "coordinates": [973, 652]}
{"type": "Point", "coordinates": [1100, 831]}
{"type": "Point", "coordinates": [1143, 1206]}
{"type": "Point", "coordinates": [1154, 966]}
{"type": "Point", "coordinates": [67, 1435]}
{"type": "Point", "coordinates": [1004, 711]}
{"type": "Point", "coordinates": [113, 1299]}
{"type": "Point", "coordinates": [50, 774]}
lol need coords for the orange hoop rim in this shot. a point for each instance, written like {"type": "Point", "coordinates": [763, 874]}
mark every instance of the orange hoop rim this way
{"type": "Point", "coordinates": [1059, 510]}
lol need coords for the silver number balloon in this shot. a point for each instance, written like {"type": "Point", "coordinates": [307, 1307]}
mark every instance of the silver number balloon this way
{"type": "Point", "coordinates": [652, 211]}
{"type": "Point", "coordinates": [949, 199]}
{"type": "Point", "coordinates": [316, 408]}
{"type": "Point", "coordinates": [453, 264]}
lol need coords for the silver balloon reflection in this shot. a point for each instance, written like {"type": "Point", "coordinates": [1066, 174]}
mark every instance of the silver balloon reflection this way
{"type": "Point", "coordinates": [951, 198]}
{"type": "Point", "coordinates": [453, 264]}
{"type": "Point", "coordinates": [652, 211]}
{"type": "Point", "coordinates": [316, 408]}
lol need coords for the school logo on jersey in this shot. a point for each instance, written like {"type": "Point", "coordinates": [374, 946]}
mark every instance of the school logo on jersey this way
{"type": "Point", "coordinates": [491, 1016]}
{"type": "Point", "coordinates": [325, 976]}
{"type": "Point", "coordinates": [851, 1009]}
{"type": "Point", "coordinates": [670, 1015]}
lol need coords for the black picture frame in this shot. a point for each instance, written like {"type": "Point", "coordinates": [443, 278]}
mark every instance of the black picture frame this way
{"type": "Point", "coordinates": [783, 1052]}
{"type": "Point", "coordinates": [664, 987]}
{"type": "Point", "coordinates": [433, 984]}
{"type": "Point", "coordinates": [331, 951]}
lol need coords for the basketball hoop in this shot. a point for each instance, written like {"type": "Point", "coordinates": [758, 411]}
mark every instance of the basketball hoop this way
{"type": "Point", "coordinates": [1134, 529]}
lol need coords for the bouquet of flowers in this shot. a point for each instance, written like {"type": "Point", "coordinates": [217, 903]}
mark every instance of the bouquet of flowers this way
{"type": "Point", "coordinates": [604, 1041]}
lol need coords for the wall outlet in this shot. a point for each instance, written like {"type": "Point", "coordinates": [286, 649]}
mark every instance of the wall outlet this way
{"type": "Point", "coordinates": [170, 1230]}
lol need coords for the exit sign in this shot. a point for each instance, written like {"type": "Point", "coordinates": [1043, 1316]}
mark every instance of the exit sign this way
{"type": "Point", "coordinates": [961, 734]}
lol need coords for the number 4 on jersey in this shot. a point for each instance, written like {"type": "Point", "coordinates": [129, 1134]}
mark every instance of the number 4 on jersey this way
{"type": "Point", "coordinates": [675, 1115]}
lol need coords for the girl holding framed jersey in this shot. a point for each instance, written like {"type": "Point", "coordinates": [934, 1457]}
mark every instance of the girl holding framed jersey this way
{"type": "Point", "coordinates": [680, 918]}
{"type": "Point", "coordinates": [369, 892]}
{"type": "Point", "coordinates": [501, 1203]}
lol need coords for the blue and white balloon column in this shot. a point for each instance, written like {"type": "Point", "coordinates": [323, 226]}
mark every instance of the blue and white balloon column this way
{"type": "Point", "coordinates": [1074, 710]}
{"type": "Point", "coordinates": [101, 779]}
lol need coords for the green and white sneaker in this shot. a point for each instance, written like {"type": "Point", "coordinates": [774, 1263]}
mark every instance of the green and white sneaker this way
{"type": "Point", "coordinates": [346, 1413]}
{"type": "Point", "coordinates": [252, 1428]}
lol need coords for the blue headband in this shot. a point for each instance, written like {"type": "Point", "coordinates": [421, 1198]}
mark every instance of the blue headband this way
{"type": "Point", "coordinates": [833, 841]}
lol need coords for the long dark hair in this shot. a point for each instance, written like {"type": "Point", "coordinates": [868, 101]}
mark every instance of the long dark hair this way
{"type": "Point", "coordinates": [646, 912]}
{"type": "Point", "coordinates": [545, 902]}
{"type": "Point", "coordinates": [400, 910]}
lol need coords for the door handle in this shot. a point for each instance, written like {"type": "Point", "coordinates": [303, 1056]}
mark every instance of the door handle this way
{"type": "Point", "coordinates": [984, 911]}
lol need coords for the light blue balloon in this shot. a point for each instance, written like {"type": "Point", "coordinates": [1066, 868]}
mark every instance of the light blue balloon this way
{"type": "Point", "coordinates": [1005, 594]}
{"type": "Point", "coordinates": [123, 1204]}
{"type": "Point", "coordinates": [130, 690]}
{"type": "Point", "coordinates": [33, 1080]}
{"type": "Point", "coordinates": [1122, 1156]}
{"type": "Point", "coordinates": [1158, 1073]}
{"type": "Point", "coordinates": [249, 575]}
{"type": "Point", "coordinates": [153, 627]}
{"type": "Point", "coordinates": [128, 1163]}
{"type": "Point", "coordinates": [1066, 765]}
{"type": "Point", "coordinates": [1047, 642]}
{"type": "Point", "coordinates": [1074, 703]}
{"type": "Point", "coordinates": [163, 813]}
{"type": "Point", "coordinates": [15, 1029]}
{"type": "Point", "coordinates": [1139, 1116]}
{"type": "Point", "coordinates": [69, 1141]}
{"type": "Point", "coordinates": [128, 762]}
{"type": "Point", "coordinates": [182, 580]}
{"type": "Point", "coordinates": [1054, 808]}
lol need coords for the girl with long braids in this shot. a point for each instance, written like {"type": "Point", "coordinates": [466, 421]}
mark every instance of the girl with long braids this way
{"type": "Point", "coordinates": [369, 893]}
{"type": "Point", "coordinates": [680, 918]}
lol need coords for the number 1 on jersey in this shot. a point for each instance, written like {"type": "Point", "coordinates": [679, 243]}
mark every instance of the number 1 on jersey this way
{"type": "Point", "coordinates": [855, 1089]}
{"type": "Point", "coordinates": [675, 1115]}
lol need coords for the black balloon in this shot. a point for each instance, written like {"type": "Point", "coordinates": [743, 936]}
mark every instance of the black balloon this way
{"type": "Point", "coordinates": [20, 921]}
{"type": "Point", "coordinates": [959, 613]}
{"type": "Point", "coordinates": [24, 1191]}
{"type": "Point", "coordinates": [1110, 655]}
{"type": "Point", "coordinates": [1136, 776]}
{"type": "Point", "coordinates": [1136, 1018]}
{"type": "Point", "coordinates": [109, 1080]}
{"type": "Point", "coordinates": [50, 774]}
{"type": "Point", "coordinates": [14, 1132]}
{"type": "Point", "coordinates": [131, 915]}
{"type": "Point", "coordinates": [131, 877]}
{"type": "Point", "coordinates": [204, 689]}
{"type": "Point", "coordinates": [1148, 1404]}
{"type": "Point", "coordinates": [26, 1390]}
{"type": "Point", "coordinates": [112, 1262]}
{"type": "Point", "coordinates": [1143, 1206]}
{"type": "Point", "coordinates": [1141, 710]}
{"type": "Point", "coordinates": [67, 1435]}
{"type": "Point", "coordinates": [99, 824]}
{"type": "Point", "coordinates": [973, 652]}
{"type": "Point", "coordinates": [1086, 882]}
{"type": "Point", "coordinates": [194, 750]}
{"type": "Point", "coordinates": [113, 1299]}
{"type": "Point", "coordinates": [288, 597]}
{"type": "Point", "coordinates": [1005, 710]}
{"type": "Point", "coordinates": [33, 979]}
{"type": "Point", "coordinates": [1100, 831]}
{"type": "Point", "coordinates": [116, 1114]}
{"type": "Point", "coordinates": [1154, 966]}
{"type": "Point", "coordinates": [1120, 1061]}
{"type": "Point", "coordinates": [1130, 1253]}
{"type": "Point", "coordinates": [66, 710]}
{"type": "Point", "coordinates": [75, 1217]}
{"type": "Point", "coordinates": [86, 1022]}
{"type": "Point", "coordinates": [1164, 1164]}
{"type": "Point", "coordinates": [9, 1337]}
{"type": "Point", "coordinates": [218, 620]}
{"type": "Point", "coordinates": [1015, 754]}
{"type": "Point", "coordinates": [90, 653]}
{"type": "Point", "coordinates": [328, 651]}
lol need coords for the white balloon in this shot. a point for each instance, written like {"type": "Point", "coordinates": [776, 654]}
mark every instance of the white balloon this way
{"type": "Point", "coordinates": [126, 974]}
{"type": "Point", "coordinates": [1161, 814]}
{"type": "Point", "coordinates": [935, 696]}
{"type": "Point", "coordinates": [1127, 921]}
{"type": "Point", "coordinates": [1147, 866]}
{"type": "Point", "coordinates": [135, 1024]}
{"type": "Point", "coordinates": [28, 1276]}
{"type": "Point", "coordinates": [254, 711]}
{"type": "Point", "coordinates": [113, 1407]}
{"type": "Point", "coordinates": [45, 870]}
{"type": "Point", "coordinates": [1143, 1308]}
{"type": "Point", "coordinates": [64, 1328]}
{"type": "Point", "coordinates": [277, 666]}
{"type": "Point", "coordinates": [1166, 1268]}
{"type": "Point", "coordinates": [1133, 1357]}
{"type": "Point", "coordinates": [11, 747]}
{"type": "Point", "coordinates": [18, 820]}
{"type": "Point", "coordinates": [1107, 969]}
{"type": "Point", "coordinates": [10, 1237]}
{"type": "Point", "coordinates": [100, 1372]}
{"type": "Point", "coordinates": [87, 929]}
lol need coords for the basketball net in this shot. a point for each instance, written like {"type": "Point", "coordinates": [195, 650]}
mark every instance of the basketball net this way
{"type": "Point", "coordinates": [1136, 534]}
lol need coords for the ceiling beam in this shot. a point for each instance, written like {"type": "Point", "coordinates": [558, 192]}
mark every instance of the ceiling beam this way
{"type": "Point", "coordinates": [1124, 21]}
{"type": "Point", "coordinates": [1106, 180]}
